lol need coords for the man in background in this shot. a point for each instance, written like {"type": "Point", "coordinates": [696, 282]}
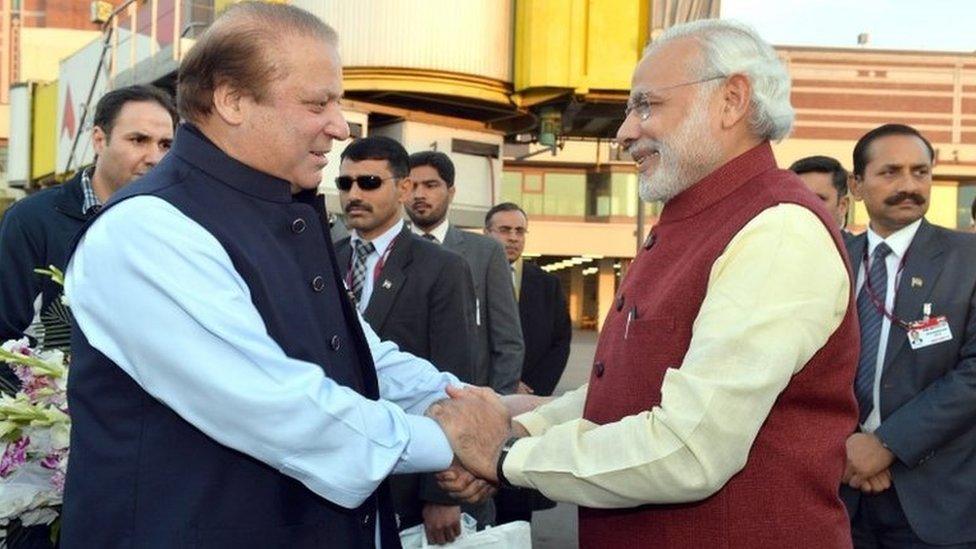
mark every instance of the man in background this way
{"type": "Point", "coordinates": [828, 180]}
{"type": "Point", "coordinates": [911, 465]}
{"type": "Point", "coordinates": [500, 346]}
{"type": "Point", "coordinates": [411, 292]}
{"type": "Point", "coordinates": [546, 329]}
{"type": "Point", "coordinates": [133, 129]}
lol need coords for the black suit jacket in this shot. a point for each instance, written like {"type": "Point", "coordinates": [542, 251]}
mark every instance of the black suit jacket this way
{"type": "Point", "coordinates": [546, 329]}
{"type": "Point", "coordinates": [423, 300]}
{"type": "Point", "coordinates": [928, 395]}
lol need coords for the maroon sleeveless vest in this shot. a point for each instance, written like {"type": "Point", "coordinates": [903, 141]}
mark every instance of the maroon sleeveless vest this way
{"type": "Point", "coordinates": [787, 493]}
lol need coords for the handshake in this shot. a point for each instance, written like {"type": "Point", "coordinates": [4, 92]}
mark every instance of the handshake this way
{"type": "Point", "coordinates": [477, 423]}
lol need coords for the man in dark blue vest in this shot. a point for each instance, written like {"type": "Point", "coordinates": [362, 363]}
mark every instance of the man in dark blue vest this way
{"type": "Point", "coordinates": [224, 391]}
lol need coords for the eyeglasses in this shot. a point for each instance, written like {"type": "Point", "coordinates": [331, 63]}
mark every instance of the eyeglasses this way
{"type": "Point", "coordinates": [642, 106]}
{"type": "Point", "coordinates": [365, 182]}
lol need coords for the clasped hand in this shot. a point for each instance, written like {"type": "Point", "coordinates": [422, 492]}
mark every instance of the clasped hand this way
{"type": "Point", "coordinates": [868, 463]}
{"type": "Point", "coordinates": [477, 423]}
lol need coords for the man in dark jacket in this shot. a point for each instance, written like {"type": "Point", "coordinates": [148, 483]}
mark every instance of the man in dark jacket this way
{"type": "Point", "coordinates": [412, 292]}
{"type": "Point", "coordinates": [133, 129]}
{"type": "Point", "coordinates": [546, 329]}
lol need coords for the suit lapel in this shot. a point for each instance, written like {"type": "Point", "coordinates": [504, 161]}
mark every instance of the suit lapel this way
{"type": "Point", "coordinates": [391, 280]}
{"type": "Point", "coordinates": [918, 279]}
{"type": "Point", "coordinates": [343, 250]}
{"type": "Point", "coordinates": [455, 241]}
{"type": "Point", "coordinates": [855, 253]}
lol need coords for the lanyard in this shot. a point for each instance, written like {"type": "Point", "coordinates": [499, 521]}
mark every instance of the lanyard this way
{"type": "Point", "coordinates": [878, 304]}
{"type": "Point", "coordinates": [377, 269]}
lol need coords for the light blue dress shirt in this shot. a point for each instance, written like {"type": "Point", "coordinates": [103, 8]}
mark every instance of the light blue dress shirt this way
{"type": "Point", "coordinates": [159, 296]}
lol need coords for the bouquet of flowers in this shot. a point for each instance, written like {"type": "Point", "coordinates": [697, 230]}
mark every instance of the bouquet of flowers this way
{"type": "Point", "coordinates": [34, 423]}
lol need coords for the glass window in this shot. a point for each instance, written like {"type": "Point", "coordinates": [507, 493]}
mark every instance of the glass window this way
{"type": "Point", "coordinates": [512, 187]}
{"type": "Point", "coordinates": [623, 194]}
{"type": "Point", "coordinates": [532, 194]}
{"type": "Point", "coordinates": [598, 194]}
{"type": "Point", "coordinates": [967, 193]}
{"type": "Point", "coordinates": [565, 194]}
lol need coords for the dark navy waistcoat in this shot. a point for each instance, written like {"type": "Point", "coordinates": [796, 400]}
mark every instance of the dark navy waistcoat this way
{"type": "Point", "coordinates": [139, 475]}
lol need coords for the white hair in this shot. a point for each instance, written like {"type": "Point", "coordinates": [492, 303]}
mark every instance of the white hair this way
{"type": "Point", "coordinates": [730, 47]}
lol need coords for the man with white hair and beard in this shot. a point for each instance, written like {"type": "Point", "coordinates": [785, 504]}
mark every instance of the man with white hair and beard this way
{"type": "Point", "coordinates": [722, 377]}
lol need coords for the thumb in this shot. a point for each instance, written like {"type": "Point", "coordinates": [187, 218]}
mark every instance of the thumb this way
{"type": "Point", "coordinates": [456, 391]}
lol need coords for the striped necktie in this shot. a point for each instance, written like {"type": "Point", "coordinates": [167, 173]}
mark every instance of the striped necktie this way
{"type": "Point", "coordinates": [362, 250]}
{"type": "Point", "coordinates": [871, 319]}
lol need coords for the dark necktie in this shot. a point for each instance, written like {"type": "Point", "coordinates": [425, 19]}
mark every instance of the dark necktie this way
{"type": "Point", "coordinates": [871, 319]}
{"type": "Point", "coordinates": [431, 237]}
{"type": "Point", "coordinates": [362, 250]}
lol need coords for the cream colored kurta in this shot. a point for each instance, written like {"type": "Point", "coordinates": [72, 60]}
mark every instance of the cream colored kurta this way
{"type": "Point", "coordinates": [774, 297]}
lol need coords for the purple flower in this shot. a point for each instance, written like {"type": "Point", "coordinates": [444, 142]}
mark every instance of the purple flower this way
{"type": "Point", "coordinates": [30, 383]}
{"type": "Point", "coordinates": [14, 456]}
{"type": "Point", "coordinates": [57, 480]}
{"type": "Point", "coordinates": [53, 460]}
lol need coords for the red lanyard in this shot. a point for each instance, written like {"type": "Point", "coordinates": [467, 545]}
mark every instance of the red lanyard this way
{"type": "Point", "coordinates": [878, 304]}
{"type": "Point", "coordinates": [379, 264]}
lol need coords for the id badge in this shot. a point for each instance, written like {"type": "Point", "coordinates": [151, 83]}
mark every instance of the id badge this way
{"type": "Point", "coordinates": [929, 331]}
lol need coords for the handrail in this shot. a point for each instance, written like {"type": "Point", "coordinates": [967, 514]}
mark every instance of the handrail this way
{"type": "Point", "coordinates": [107, 31]}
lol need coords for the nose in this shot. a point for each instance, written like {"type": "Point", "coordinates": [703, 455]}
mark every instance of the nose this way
{"type": "Point", "coordinates": [155, 155]}
{"type": "Point", "coordinates": [336, 126]}
{"type": "Point", "coordinates": [354, 191]}
{"type": "Point", "coordinates": [628, 132]}
{"type": "Point", "coordinates": [907, 182]}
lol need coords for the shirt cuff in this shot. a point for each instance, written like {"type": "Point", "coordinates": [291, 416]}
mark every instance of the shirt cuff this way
{"type": "Point", "coordinates": [428, 449]}
{"type": "Point", "coordinates": [514, 465]}
{"type": "Point", "coordinates": [534, 422]}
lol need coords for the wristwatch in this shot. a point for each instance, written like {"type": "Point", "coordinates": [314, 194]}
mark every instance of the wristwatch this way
{"type": "Point", "coordinates": [499, 472]}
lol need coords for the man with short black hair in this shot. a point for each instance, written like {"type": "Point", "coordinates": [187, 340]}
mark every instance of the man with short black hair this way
{"type": "Point", "coordinates": [500, 345]}
{"type": "Point", "coordinates": [911, 471]}
{"type": "Point", "coordinates": [828, 180]}
{"type": "Point", "coordinates": [133, 129]}
{"type": "Point", "coordinates": [411, 292]}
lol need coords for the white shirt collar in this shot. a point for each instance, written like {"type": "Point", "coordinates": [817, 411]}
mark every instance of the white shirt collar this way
{"type": "Point", "coordinates": [439, 232]}
{"type": "Point", "coordinates": [383, 241]}
{"type": "Point", "coordinates": [898, 241]}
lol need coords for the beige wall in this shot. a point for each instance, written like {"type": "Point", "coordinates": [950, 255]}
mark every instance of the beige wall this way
{"type": "Point", "coordinates": [564, 238]}
{"type": "Point", "coordinates": [43, 49]}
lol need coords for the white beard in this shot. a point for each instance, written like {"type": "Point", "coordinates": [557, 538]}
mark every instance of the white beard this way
{"type": "Point", "coordinates": [684, 158]}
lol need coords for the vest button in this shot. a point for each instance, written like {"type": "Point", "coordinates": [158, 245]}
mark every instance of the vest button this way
{"type": "Point", "coordinates": [335, 343]}
{"type": "Point", "coordinates": [598, 369]}
{"type": "Point", "coordinates": [318, 284]}
{"type": "Point", "coordinates": [298, 226]}
{"type": "Point", "coordinates": [650, 241]}
{"type": "Point", "coordinates": [620, 303]}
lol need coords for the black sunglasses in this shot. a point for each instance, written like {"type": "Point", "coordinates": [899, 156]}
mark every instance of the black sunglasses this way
{"type": "Point", "coordinates": [365, 182]}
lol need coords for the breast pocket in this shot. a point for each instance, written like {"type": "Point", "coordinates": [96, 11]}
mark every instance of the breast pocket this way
{"type": "Point", "coordinates": [650, 346]}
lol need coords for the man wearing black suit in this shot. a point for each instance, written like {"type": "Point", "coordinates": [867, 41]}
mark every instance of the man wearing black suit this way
{"type": "Point", "coordinates": [411, 292]}
{"type": "Point", "coordinates": [911, 465]}
{"type": "Point", "coordinates": [546, 329]}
